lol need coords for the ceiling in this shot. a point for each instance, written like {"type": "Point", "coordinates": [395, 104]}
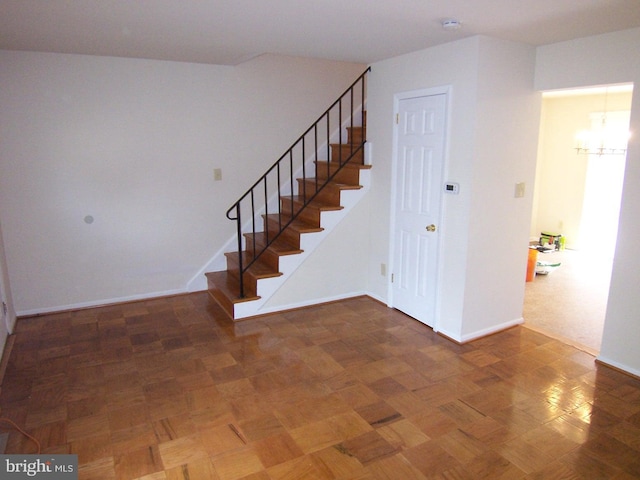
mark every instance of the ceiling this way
{"type": "Point", "coordinates": [228, 32]}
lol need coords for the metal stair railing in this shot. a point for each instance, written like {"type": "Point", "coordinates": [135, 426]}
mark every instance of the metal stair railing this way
{"type": "Point", "coordinates": [271, 188]}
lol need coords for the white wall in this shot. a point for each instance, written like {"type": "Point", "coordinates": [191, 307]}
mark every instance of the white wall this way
{"type": "Point", "coordinates": [600, 60]}
{"type": "Point", "coordinates": [133, 143]}
{"type": "Point", "coordinates": [493, 133]}
{"type": "Point", "coordinates": [506, 134]}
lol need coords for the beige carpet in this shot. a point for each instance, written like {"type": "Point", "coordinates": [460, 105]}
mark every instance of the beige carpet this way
{"type": "Point", "coordinates": [570, 303]}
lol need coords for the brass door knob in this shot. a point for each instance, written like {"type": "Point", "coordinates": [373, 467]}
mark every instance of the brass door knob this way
{"type": "Point", "coordinates": [431, 228]}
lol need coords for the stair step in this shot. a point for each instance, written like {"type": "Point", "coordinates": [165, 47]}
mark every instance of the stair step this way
{"type": "Point", "coordinates": [330, 194]}
{"type": "Point", "coordinates": [225, 290]}
{"type": "Point", "coordinates": [316, 204]}
{"type": "Point", "coordinates": [292, 233]}
{"type": "Point", "coordinates": [297, 227]}
{"type": "Point", "coordinates": [280, 246]}
{"type": "Point", "coordinates": [349, 174]}
{"type": "Point", "coordinates": [258, 269]}
{"type": "Point", "coordinates": [356, 135]}
{"type": "Point", "coordinates": [341, 152]}
{"type": "Point", "coordinates": [311, 213]}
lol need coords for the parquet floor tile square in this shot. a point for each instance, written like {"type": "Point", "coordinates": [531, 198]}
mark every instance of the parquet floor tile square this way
{"type": "Point", "coordinates": [431, 459]}
{"type": "Point", "coordinates": [172, 389]}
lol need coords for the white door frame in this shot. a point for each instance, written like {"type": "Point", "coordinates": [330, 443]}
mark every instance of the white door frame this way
{"type": "Point", "coordinates": [7, 318]}
{"type": "Point", "coordinates": [6, 301]}
{"type": "Point", "coordinates": [397, 98]}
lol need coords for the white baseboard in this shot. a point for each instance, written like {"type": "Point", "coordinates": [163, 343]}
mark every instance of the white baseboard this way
{"type": "Point", "coordinates": [618, 366]}
{"type": "Point", "coordinates": [307, 303]}
{"type": "Point", "coordinates": [469, 337]}
{"type": "Point", "coordinates": [378, 298]}
{"type": "Point", "coordinates": [169, 293]}
{"type": "Point", "coordinates": [99, 303]}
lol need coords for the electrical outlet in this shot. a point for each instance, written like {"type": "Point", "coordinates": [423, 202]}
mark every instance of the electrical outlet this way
{"type": "Point", "coordinates": [519, 191]}
{"type": "Point", "coordinates": [383, 269]}
{"type": "Point", "coordinates": [217, 174]}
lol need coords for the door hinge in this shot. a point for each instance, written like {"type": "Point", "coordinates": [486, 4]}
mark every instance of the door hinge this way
{"type": "Point", "coordinates": [397, 118]}
{"type": "Point", "coordinates": [392, 278]}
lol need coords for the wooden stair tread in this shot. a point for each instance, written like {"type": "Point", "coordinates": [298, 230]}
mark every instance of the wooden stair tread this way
{"type": "Point", "coordinates": [355, 146]}
{"type": "Point", "coordinates": [229, 286]}
{"type": "Point", "coordinates": [319, 204]}
{"type": "Point", "coordinates": [280, 246]}
{"type": "Point", "coordinates": [258, 269]}
{"type": "Point", "coordinates": [351, 165]}
{"type": "Point", "coordinates": [340, 186]}
{"type": "Point", "coordinates": [297, 225]}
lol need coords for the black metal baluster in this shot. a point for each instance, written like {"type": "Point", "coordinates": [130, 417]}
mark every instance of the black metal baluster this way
{"type": "Point", "coordinates": [328, 145]}
{"type": "Point", "coordinates": [266, 212]}
{"type": "Point", "coordinates": [315, 151]}
{"type": "Point", "coordinates": [340, 130]}
{"type": "Point", "coordinates": [304, 177]}
{"type": "Point", "coordinates": [253, 227]}
{"type": "Point", "coordinates": [349, 139]}
{"type": "Point", "coordinates": [291, 175]}
{"type": "Point", "coordinates": [279, 192]}
{"type": "Point", "coordinates": [239, 233]}
{"type": "Point", "coordinates": [362, 114]}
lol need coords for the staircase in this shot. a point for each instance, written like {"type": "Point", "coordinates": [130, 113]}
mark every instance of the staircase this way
{"type": "Point", "coordinates": [299, 215]}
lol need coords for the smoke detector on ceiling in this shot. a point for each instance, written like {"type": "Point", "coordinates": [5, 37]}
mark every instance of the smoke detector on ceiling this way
{"type": "Point", "coordinates": [451, 24]}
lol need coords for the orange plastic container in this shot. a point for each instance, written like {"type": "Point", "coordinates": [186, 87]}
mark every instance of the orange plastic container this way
{"type": "Point", "coordinates": [531, 264]}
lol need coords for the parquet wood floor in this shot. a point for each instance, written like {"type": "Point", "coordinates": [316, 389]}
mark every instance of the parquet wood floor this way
{"type": "Point", "coordinates": [172, 389]}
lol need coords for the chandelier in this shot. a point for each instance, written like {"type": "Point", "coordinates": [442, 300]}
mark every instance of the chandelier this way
{"type": "Point", "coordinates": [603, 138]}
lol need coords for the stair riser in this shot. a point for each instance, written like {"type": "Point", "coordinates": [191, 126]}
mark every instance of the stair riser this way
{"type": "Point", "coordinates": [329, 194]}
{"type": "Point", "coordinates": [346, 151]}
{"type": "Point", "coordinates": [347, 176]}
{"type": "Point", "coordinates": [287, 207]}
{"type": "Point", "coordinates": [356, 134]}
{"type": "Point", "coordinates": [250, 281]}
{"type": "Point", "coordinates": [269, 257]}
{"type": "Point", "coordinates": [308, 215]}
{"type": "Point", "coordinates": [250, 248]}
{"type": "Point", "coordinates": [307, 188]}
{"type": "Point", "coordinates": [289, 235]}
{"type": "Point", "coordinates": [225, 291]}
{"type": "Point", "coordinates": [273, 226]}
{"type": "Point", "coordinates": [259, 245]}
{"type": "Point", "coordinates": [222, 300]}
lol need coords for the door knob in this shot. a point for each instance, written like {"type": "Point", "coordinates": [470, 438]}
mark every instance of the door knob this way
{"type": "Point", "coordinates": [431, 228]}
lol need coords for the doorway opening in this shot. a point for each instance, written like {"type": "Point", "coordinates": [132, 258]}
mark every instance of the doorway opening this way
{"type": "Point", "coordinates": [577, 195]}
